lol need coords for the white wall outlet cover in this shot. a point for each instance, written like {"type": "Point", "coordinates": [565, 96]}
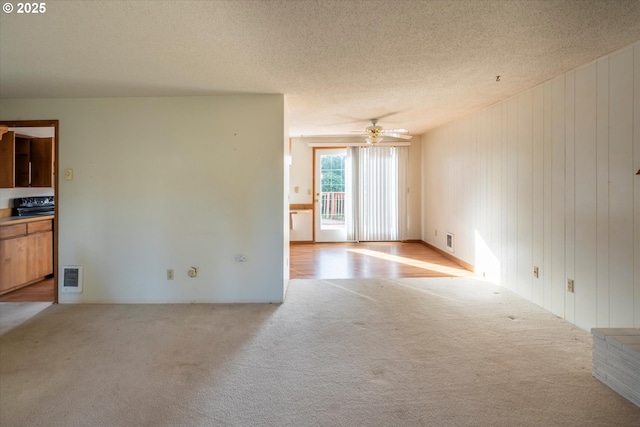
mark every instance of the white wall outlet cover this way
{"type": "Point", "coordinates": [570, 286]}
{"type": "Point", "coordinates": [71, 279]}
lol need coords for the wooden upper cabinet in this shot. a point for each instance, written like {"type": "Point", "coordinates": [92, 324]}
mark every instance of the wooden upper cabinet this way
{"type": "Point", "coordinates": [41, 153]}
{"type": "Point", "coordinates": [26, 161]}
{"type": "Point", "coordinates": [22, 162]}
{"type": "Point", "coordinates": [7, 160]}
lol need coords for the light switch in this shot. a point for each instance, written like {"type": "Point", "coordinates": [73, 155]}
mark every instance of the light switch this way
{"type": "Point", "coordinates": [68, 174]}
{"type": "Point", "coordinates": [296, 189]}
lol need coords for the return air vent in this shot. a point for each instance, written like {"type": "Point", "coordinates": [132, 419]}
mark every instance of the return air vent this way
{"type": "Point", "coordinates": [450, 241]}
{"type": "Point", "coordinates": [71, 278]}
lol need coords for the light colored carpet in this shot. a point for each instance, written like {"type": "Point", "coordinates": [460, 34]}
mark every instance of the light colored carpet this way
{"type": "Point", "coordinates": [375, 352]}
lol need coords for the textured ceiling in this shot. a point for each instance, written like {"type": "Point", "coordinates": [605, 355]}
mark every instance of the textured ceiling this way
{"type": "Point", "coordinates": [417, 64]}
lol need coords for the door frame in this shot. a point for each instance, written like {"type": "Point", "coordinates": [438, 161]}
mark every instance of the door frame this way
{"type": "Point", "coordinates": [56, 145]}
{"type": "Point", "coordinates": [316, 184]}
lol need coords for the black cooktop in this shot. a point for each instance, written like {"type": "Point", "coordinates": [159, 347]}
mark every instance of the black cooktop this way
{"type": "Point", "coordinates": [36, 205]}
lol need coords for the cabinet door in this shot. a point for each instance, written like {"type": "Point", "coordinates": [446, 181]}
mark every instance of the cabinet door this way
{"type": "Point", "coordinates": [40, 255]}
{"type": "Point", "coordinates": [22, 161]}
{"type": "Point", "coordinates": [7, 160]}
{"type": "Point", "coordinates": [13, 262]}
{"type": "Point", "coordinates": [41, 155]}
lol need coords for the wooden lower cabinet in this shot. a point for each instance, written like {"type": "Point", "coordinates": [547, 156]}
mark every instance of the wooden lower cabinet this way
{"type": "Point", "coordinates": [26, 254]}
{"type": "Point", "coordinates": [40, 254]}
{"type": "Point", "coordinates": [13, 263]}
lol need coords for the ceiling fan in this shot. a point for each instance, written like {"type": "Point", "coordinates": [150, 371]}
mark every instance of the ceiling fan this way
{"type": "Point", "coordinates": [375, 134]}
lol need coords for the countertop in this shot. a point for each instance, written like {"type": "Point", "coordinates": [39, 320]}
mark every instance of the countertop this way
{"type": "Point", "coordinates": [12, 220]}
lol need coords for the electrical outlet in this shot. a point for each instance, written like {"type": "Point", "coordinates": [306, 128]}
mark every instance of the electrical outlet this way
{"type": "Point", "coordinates": [535, 272]}
{"type": "Point", "coordinates": [170, 274]}
{"type": "Point", "coordinates": [570, 286]}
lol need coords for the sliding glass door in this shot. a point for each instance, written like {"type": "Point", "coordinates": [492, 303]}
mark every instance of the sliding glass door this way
{"type": "Point", "coordinates": [360, 193]}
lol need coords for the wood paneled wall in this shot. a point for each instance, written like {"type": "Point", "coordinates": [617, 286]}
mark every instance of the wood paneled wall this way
{"type": "Point", "coordinates": [547, 179]}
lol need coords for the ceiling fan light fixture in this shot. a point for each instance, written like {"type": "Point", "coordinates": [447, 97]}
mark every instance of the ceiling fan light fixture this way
{"type": "Point", "coordinates": [373, 140]}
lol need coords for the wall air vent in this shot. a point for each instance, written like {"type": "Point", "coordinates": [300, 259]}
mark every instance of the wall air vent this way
{"type": "Point", "coordinates": [450, 241]}
{"type": "Point", "coordinates": [71, 278]}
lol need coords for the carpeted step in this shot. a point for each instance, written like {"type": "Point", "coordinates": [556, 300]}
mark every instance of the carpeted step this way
{"type": "Point", "coordinates": [616, 360]}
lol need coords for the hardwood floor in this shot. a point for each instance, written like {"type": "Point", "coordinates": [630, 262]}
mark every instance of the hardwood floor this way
{"type": "Point", "coordinates": [38, 292]}
{"type": "Point", "coordinates": [370, 260]}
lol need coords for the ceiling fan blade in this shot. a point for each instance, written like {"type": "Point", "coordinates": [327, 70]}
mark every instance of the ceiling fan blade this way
{"type": "Point", "coordinates": [368, 120]}
{"type": "Point", "coordinates": [393, 113]}
{"type": "Point", "coordinates": [398, 135]}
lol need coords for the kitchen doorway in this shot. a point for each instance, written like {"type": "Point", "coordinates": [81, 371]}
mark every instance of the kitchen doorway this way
{"type": "Point", "coordinates": [45, 290]}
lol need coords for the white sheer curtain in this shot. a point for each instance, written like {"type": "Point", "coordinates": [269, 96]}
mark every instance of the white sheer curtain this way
{"type": "Point", "coordinates": [403, 190]}
{"type": "Point", "coordinates": [376, 187]}
{"type": "Point", "coordinates": [351, 192]}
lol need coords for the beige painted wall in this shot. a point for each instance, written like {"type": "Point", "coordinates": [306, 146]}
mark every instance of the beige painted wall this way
{"type": "Point", "coordinates": [301, 170]}
{"type": "Point", "coordinates": [170, 183]}
{"type": "Point", "coordinates": [547, 179]}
